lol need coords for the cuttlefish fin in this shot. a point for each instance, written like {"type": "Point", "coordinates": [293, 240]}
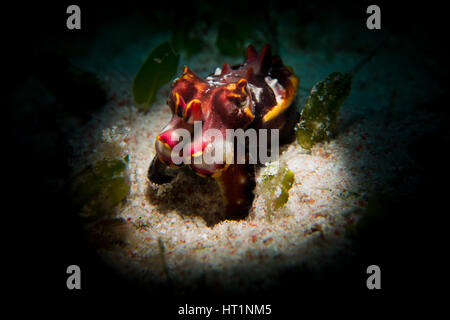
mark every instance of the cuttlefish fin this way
{"type": "Point", "coordinates": [261, 62]}
{"type": "Point", "coordinates": [265, 59]}
{"type": "Point", "coordinates": [237, 183]}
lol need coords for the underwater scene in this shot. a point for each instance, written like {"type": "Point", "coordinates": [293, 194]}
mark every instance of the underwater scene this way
{"type": "Point", "coordinates": [331, 188]}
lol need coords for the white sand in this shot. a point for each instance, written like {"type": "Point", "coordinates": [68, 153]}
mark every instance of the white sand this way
{"type": "Point", "coordinates": [172, 231]}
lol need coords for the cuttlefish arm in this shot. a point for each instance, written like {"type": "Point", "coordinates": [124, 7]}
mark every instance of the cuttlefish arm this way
{"type": "Point", "coordinates": [237, 183]}
{"type": "Point", "coordinates": [159, 172]}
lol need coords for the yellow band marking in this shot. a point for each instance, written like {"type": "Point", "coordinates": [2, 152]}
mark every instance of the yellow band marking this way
{"type": "Point", "coordinates": [248, 112]}
{"type": "Point", "coordinates": [286, 102]}
{"type": "Point", "coordinates": [188, 107]}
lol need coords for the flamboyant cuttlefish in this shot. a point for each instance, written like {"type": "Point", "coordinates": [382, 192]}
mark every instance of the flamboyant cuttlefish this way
{"type": "Point", "coordinates": [258, 94]}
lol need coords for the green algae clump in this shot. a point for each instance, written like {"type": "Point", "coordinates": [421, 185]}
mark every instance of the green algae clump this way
{"type": "Point", "coordinates": [158, 69]}
{"type": "Point", "coordinates": [274, 184]}
{"type": "Point", "coordinates": [101, 187]}
{"type": "Point", "coordinates": [319, 116]}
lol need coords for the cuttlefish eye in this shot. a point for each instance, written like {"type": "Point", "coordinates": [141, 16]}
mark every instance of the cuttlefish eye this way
{"type": "Point", "coordinates": [238, 93]}
{"type": "Point", "coordinates": [237, 90]}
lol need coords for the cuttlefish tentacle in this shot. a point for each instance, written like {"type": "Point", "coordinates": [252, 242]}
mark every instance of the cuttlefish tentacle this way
{"type": "Point", "coordinates": [237, 183]}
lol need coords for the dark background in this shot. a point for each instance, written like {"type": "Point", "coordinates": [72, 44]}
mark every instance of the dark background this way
{"type": "Point", "coordinates": [44, 235]}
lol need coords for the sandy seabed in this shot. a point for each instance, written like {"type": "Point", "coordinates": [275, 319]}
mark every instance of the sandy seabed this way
{"type": "Point", "coordinates": [175, 232]}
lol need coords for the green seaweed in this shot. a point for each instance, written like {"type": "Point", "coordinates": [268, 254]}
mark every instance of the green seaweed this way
{"type": "Point", "coordinates": [319, 115]}
{"type": "Point", "coordinates": [274, 185]}
{"type": "Point", "coordinates": [159, 68]}
{"type": "Point", "coordinates": [101, 186]}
